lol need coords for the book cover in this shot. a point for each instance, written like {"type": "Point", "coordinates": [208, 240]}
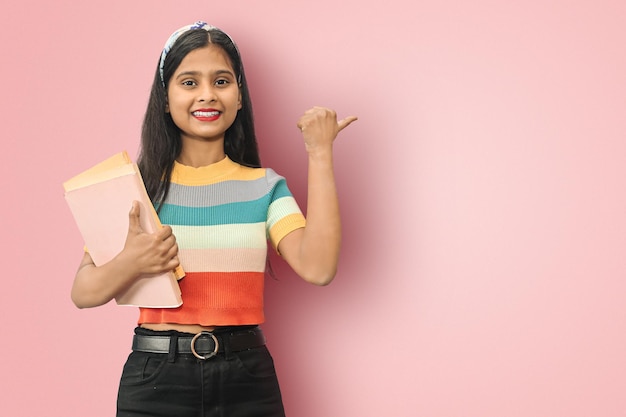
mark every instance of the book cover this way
{"type": "Point", "coordinates": [100, 199]}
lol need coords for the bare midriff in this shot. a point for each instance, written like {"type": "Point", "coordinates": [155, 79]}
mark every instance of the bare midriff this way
{"type": "Point", "coordinates": [185, 328]}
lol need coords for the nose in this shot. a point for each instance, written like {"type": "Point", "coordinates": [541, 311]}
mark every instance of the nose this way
{"type": "Point", "coordinates": [206, 93]}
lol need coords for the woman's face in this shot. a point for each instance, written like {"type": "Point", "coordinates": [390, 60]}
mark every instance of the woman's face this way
{"type": "Point", "coordinates": [203, 95]}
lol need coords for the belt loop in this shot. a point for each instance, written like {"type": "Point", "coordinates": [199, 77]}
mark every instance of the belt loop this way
{"type": "Point", "coordinates": [171, 355]}
{"type": "Point", "coordinates": [225, 340]}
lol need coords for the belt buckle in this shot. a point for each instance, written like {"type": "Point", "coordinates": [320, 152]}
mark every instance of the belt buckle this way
{"type": "Point", "coordinates": [210, 354]}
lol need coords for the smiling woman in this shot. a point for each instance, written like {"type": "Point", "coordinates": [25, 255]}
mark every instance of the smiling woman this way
{"type": "Point", "coordinates": [201, 166]}
{"type": "Point", "coordinates": [203, 100]}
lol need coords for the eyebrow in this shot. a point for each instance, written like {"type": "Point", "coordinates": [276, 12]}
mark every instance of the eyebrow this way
{"type": "Point", "coordinates": [197, 73]}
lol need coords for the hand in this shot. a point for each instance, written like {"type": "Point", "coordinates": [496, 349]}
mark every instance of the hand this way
{"type": "Point", "coordinates": [149, 253]}
{"type": "Point", "coordinates": [319, 127]}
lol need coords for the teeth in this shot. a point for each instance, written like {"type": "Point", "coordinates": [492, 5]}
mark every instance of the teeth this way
{"type": "Point", "coordinates": [205, 113]}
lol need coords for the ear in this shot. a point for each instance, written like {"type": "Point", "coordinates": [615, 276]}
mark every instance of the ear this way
{"type": "Point", "coordinates": [239, 100]}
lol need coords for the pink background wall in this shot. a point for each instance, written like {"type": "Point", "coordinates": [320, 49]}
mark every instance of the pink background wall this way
{"type": "Point", "coordinates": [483, 270]}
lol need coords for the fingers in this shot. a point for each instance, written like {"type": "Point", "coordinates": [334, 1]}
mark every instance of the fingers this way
{"type": "Point", "coordinates": [151, 252]}
{"type": "Point", "coordinates": [165, 232]}
{"type": "Point", "coordinates": [161, 253]}
{"type": "Point", "coordinates": [134, 223]}
{"type": "Point", "coordinates": [169, 245]}
{"type": "Point", "coordinates": [173, 260]}
{"type": "Point", "coordinates": [169, 259]}
{"type": "Point", "coordinates": [316, 115]}
{"type": "Point", "coordinates": [323, 115]}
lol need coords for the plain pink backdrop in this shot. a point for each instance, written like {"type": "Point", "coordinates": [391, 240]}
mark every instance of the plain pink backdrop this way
{"type": "Point", "coordinates": [483, 197]}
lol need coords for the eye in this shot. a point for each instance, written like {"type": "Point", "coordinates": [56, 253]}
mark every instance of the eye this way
{"type": "Point", "coordinates": [222, 82]}
{"type": "Point", "coordinates": [188, 83]}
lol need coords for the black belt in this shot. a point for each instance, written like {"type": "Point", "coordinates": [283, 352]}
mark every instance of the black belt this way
{"type": "Point", "coordinates": [203, 345]}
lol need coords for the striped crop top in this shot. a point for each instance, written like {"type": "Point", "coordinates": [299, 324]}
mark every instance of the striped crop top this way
{"type": "Point", "coordinates": [222, 216]}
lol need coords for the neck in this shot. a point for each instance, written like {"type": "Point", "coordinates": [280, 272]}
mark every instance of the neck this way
{"type": "Point", "coordinates": [200, 154]}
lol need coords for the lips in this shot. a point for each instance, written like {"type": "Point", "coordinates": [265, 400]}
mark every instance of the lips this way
{"type": "Point", "coordinates": [206, 115]}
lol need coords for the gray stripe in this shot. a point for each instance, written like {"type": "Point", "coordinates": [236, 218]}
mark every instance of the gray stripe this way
{"type": "Point", "coordinates": [231, 191]}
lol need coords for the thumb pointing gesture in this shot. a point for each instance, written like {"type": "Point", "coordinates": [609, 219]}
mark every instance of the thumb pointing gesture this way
{"type": "Point", "coordinates": [150, 252]}
{"type": "Point", "coordinates": [343, 123]}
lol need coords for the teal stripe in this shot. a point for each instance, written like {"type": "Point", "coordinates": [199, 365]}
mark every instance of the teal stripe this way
{"type": "Point", "coordinates": [281, 190]}
{"type": "Point", "coordinates": [233, 213]}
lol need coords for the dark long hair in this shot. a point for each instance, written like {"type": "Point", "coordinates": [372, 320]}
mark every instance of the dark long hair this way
{"type": "Point", "coordinates": [160, 137]}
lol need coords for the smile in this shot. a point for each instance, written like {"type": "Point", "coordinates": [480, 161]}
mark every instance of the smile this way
{"type": "Point", "coordinates": [206, 115]}
{"type": "Point", "coordinates": [213, 113]}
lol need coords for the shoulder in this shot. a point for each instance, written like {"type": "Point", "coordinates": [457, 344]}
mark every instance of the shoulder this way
{"type": "Point", "coordinates": [252, 173]}
{"type": "Point", "coordinates": [272, 176]}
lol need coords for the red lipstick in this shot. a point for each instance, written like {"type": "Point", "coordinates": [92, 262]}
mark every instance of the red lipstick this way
{"type": "Point", "coordinates": [206, 115]}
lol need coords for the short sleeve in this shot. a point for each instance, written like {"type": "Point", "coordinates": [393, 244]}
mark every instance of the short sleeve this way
{"type": "Point", "coordinates": [284, 215]}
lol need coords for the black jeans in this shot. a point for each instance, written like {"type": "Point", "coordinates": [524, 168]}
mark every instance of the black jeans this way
{"type": "Point", "coordinates": [231, 384]}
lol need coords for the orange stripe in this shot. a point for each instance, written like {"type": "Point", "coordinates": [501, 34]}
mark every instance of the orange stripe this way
{"type": "Point", "coordinates": [214, 299]}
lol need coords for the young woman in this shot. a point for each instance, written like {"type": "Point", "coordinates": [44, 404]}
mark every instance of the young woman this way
{"type": "Point", "coordinates": [200, 163]}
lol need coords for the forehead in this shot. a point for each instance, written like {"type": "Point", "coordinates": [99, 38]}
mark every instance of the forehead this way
{"type": "Point", "coordinates": [210, 57]}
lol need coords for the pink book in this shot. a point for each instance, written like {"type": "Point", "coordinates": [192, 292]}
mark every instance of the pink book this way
{"type": "Point", "coordinates": [100, 199]}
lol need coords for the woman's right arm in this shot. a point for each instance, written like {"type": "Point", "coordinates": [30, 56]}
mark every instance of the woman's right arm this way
{"type": "Point", "coordinates": [143, 253]}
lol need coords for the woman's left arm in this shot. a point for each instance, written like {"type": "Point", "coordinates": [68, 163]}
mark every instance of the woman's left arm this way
{"type": "Point", "coordinates": [313, 251]}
